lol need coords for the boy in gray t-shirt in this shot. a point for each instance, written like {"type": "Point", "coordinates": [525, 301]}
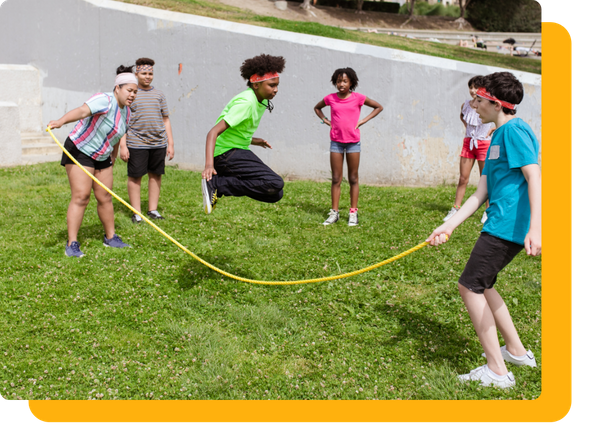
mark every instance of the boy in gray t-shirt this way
{"type": "Point", "coordinates": [148, 140]}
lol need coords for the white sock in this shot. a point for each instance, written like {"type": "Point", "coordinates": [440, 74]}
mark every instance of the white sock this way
{"type": "Point", "coordinates": [496, 375]}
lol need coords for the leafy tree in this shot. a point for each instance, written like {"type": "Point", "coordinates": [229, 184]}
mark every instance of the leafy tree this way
{"type": "Point", "coordinates": [505, 15]}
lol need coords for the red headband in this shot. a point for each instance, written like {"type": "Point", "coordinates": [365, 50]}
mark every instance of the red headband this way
{"type": "Point", "coordinates": [255, 78]}
{"type": "Point", "coordinates": [481, 92]}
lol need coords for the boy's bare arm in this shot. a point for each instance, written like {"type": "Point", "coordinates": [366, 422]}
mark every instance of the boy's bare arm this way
{"type": "Point", "coordinates": [211, 139]}
{"type": "Point", "coordinates": [170, 141]}
{"type": "Point", "coordinates": [462, 119]}
{"type": "Point", "coordinates": [533, 240]}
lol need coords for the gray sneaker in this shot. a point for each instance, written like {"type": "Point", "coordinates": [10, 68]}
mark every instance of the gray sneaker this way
{"type": "Point", "coordinates": [334, 216]}
{"type": "Point", "coordinates": [115, 242]}
{"type": "Point", "coordinates": [154, 215]}
{"type": "Point", "coordinates": [73, 250]}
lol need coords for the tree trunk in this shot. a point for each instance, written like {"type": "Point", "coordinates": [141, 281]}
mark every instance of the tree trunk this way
{"type": "Point", "coordinates": [411, 9]}
{"type": "Point", "coordinates": [359, 5]}
{"type": "Point", "coordinates": [305, 4]}
{"type": "Point", "coordinates": [463, 7]}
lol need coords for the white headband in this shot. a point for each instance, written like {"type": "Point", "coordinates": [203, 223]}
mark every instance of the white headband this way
{"type": "Point", "coordinates": [125, 77]}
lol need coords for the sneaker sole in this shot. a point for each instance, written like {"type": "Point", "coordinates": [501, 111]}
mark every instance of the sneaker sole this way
{"type": "Point", "coordinates": [74, 256]}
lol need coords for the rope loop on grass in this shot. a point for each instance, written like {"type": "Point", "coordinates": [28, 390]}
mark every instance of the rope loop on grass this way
{"type": "Point", "coordinates": [223, 272]}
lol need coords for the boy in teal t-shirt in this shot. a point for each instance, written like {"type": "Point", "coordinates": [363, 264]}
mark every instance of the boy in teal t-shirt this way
{"type": "Point", "coordinates": [511, 179]}
{"type": "Point", "coordinates": [231, 168]}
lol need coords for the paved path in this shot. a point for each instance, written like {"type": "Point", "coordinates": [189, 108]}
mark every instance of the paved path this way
{"type": "Point", "coordinates": [493, 40]}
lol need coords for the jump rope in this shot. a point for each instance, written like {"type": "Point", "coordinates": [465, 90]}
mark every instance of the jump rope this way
{"type": "Point", "coordinates": [223, 272]}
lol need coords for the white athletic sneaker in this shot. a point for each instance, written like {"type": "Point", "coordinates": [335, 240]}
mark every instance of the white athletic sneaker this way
{"type": "Point", "coordinates": [353, 219]}
{"type": "Point", "coordinates": [451, 213]}
{"type": "Point", "coordinates": [484, 217]}
{"type": "Point", "coordinates": [484, 375]}
{"type": "Point", "coordinates": [527, 359]}
{"type": "Point", "coordinates": [209, 196]}
{"type": "Point", "coordinates": [334, 216]}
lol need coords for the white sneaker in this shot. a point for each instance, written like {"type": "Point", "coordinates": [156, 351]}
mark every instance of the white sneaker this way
{"type": "Point", "coordinates": [527, 359]}
{"type": "Point", "coordinates": [209, 196]}
{"type": "Point", "coordinates": [484, 217]}
{"type": "Point", "coordinates": [484, 375]}
{"type": "Point", "coordinates": [334, 216]}
{"type": "Point", "coordinates": [353, 219]}
{"type": "Point", "coordinates": [451, 213]}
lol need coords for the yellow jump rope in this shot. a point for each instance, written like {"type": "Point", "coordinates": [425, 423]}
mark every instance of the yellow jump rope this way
{"type": "Point", "coordinates": [224, 273]}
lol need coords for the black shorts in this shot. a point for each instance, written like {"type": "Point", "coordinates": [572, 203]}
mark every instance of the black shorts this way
{"type": "Point", "coordinates": [489, 256]}
{"type": "Point", "coordinates": [143, 161]}
{"type": "Point", "coordinates": [82, 158]}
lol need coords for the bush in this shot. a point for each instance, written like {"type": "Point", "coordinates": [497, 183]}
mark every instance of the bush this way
{"type": "Point", "coordinates": [505, 15]}
{"type": "Point", "coordinates": [424, 8]}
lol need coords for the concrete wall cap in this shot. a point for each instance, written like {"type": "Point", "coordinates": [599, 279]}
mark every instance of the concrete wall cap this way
{"type": "Point", "coordinates": [18, 67]}
{"type": "Point", "coordinates": [5, 104]}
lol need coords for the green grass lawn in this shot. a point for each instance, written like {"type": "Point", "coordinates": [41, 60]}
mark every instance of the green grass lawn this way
{"type": "Point", "coordinates": [151, 323]}
{"type": "Point", "coordinates": [230, 13]}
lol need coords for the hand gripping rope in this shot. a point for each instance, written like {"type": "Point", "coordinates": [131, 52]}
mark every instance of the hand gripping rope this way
{"type": "Point", "coordinates": [224, 273]}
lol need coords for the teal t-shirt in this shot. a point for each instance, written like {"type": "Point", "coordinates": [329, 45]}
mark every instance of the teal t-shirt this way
{"type": "Point", "coordinates": [242, 114]}
{"type": "Point", "coordinates": [513, 146]}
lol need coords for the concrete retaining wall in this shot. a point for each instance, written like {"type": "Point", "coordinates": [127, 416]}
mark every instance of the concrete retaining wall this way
{"type": "Point", "coordinates": [20, 84]}
{"type": "Point", "coordinates": [77, 45]}
{"type": "Point", "coordinates": [10, 135]}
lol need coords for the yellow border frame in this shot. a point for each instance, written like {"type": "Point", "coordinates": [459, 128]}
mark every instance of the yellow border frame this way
{"type": "Point", "coordinates": [555, 400]}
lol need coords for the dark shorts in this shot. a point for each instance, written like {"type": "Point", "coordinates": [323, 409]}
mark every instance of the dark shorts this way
{"type": "Point", "coordinates": [142, 161]}
{"type": "Point", "coordinates": [489, 256]}
{"type": "Point", "coordinates": [82, 158]}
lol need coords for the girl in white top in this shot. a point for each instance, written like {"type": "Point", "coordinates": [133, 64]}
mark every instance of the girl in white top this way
{"type": "Point", "coordinates": [475, 145]}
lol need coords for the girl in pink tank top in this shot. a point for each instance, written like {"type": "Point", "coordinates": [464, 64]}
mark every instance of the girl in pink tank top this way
{"type": "Point", "coordinates": [345, 137]}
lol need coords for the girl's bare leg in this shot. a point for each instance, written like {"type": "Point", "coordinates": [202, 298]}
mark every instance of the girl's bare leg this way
{"type": "Point", "coordinates": [106, 212]}
{"type": "Point", "coordinates": [337, 172]}
{"type": "Point", "coordinates": [353, 160]}
{"type": "Point", "coordinates": [81, 188]}
{"type": "Point", "coordinates": [465, 167]}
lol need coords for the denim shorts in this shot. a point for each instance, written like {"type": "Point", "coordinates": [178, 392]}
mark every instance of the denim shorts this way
{"type": "Point", "coordinates": [339, 147]}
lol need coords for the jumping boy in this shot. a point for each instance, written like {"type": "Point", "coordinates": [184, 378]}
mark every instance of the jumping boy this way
{"type": "Point", "coordinates": [148, 140]}
{"type": "Point", "coordinates": [231, 169]}
{"type": "Point", "coordinates": [511, 179]}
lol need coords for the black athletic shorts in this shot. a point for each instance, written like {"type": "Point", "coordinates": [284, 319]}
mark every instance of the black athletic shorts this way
{"type": "Point", "coordinates": [143, 161]}
{"type": "Point", "coordinates": [489, 256]}
{"type": "Point", "coordinates": [82, 158]}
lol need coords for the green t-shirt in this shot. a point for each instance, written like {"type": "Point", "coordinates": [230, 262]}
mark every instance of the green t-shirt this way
{"type": "Point", "coordinates": [242, 114]}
